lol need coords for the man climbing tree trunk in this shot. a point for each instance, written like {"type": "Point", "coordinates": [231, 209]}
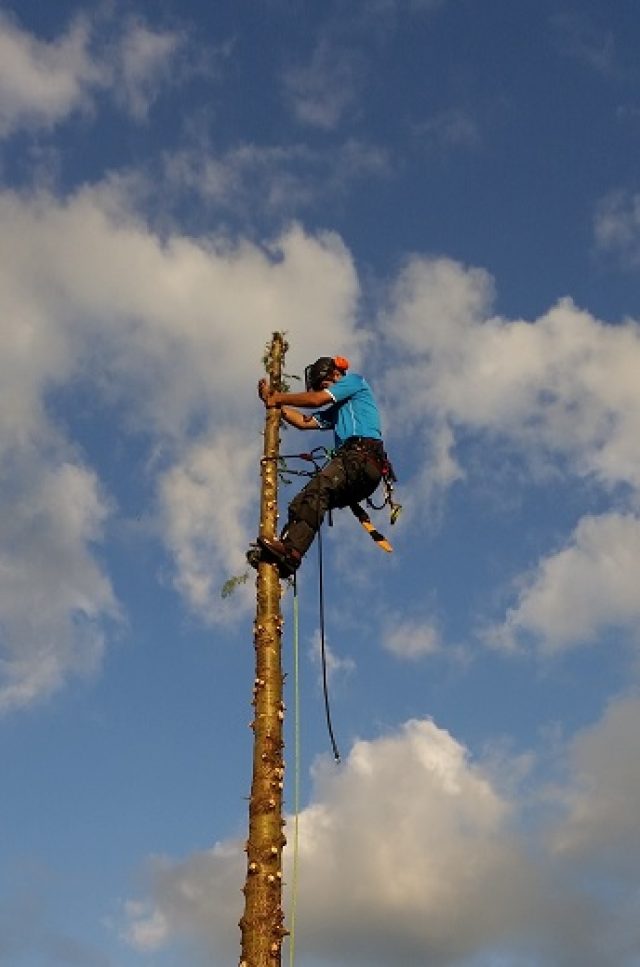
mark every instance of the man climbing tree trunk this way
{"type": "Point", "coordinates": [262, 922]}
{"type": "Point", "coordinates": [343, 402]}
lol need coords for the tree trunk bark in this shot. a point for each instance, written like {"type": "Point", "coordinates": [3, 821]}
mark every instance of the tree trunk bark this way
{"type": "Point", "coordinates": [262, 924]}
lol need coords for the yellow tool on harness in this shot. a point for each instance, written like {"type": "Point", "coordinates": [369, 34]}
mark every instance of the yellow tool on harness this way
{"type": "Point", "coordinates": [374, 534]}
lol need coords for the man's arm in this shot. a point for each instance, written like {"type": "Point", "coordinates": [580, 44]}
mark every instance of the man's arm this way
{"type": "Point", "coordinates": [308, 399]}
{"type": "Point", "coordinates": [302, 421]}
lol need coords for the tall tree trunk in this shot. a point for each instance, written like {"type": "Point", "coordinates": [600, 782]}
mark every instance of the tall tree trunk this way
{"type": "Point", "coordinates": [262, 924]}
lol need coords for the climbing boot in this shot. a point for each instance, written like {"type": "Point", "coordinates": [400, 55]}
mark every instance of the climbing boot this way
{"type": "Point", "coordinates": [254, 556]}
{"type": "Point", "coordinates": [286, 557]}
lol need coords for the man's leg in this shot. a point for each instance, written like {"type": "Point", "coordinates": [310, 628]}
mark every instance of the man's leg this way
{"type": "Point", "coordinates": [307, 509]}
{"type": "Point", "coordinates": [306, 513]}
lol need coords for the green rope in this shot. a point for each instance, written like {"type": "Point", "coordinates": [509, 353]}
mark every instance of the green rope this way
{"type": "Point", "coordinates": [296, 778]}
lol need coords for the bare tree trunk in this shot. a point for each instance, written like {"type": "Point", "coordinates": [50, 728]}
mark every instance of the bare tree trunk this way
{"type": "Point", "coordinates": [262, 924]}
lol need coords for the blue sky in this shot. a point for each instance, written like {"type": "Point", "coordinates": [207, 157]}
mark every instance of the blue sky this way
{"type": "Point", "coordinates": [447, 193]}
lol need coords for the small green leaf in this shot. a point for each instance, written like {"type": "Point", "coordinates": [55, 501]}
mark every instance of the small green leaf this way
{"type": "Point", "coordinates": [231, 584]}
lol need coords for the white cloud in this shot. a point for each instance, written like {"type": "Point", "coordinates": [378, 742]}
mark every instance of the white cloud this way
{"type": "Point", "coordinates": [383, 846]}
{"type": "Point", "coordinates": [409, 854]}
{"type": "Point", "coordinates": [322, 91]}
{"type": "Point", "coordinates": [144, 61]}
{"type": "Point", "coordinates": [562, 389]}
{"type": "Point", "coordinates": [147, 928]}
{"type": "Point", "coordinates": [164, 323]}
{"type": "Point", "coordinates": [42, 82]}
{"type": "Point", "coordinates": [617, 226]}
{"type": "Point", "coordinates": [204, 501]}
{"type": "Point", "coordinates": [411, 639]}
{"type": "Point", "coordinates": [396, 854]}
{"type": "Point", "coordinates": [336, 665]}
{"type": "Point", "coordinates": [160, 334]}
{"type": "Point", "coordinates": [54, 596]}
{"type": "Point", "coordinates": [582, 590]}
{"type": "Point", "coordinates": [602, 796]}
{"type": "Point", "coordinates": [197, 901]}
{"type": "Point", "coordinates": [436, 301]}
{"type": "Point", "coordinates": [564, 385]}
{"type": "Point", "coordinates": [438, 470]}
{"type": "Point", "coordinates": [278, 180]}
{"type": "Point", "coordinates": [595, 842]}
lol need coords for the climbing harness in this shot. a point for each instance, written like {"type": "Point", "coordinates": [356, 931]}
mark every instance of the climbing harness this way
{"type": "Point", "coordinates": [388, 480]}
{"type": "Point", "coordinates": [395, 509]}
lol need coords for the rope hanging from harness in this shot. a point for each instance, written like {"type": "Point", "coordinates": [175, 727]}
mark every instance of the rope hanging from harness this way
{"type": "Point", "coordinates": [314, 457]}
{"type": "Point", "coordinates": [323, 652]}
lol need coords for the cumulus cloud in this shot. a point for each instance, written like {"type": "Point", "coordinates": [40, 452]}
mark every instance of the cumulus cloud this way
{"type": "Point", "coordinates": [54, 596]}
{"type": "Point", "coordinates": [165, 322]}
{"type": "Point", "coordinates": [42, 82]}
{"type": "Point", "coordinates": [407, 825]}
{"type": "Point", "coordinates": [595, 841]}
{"type": "Point", "coordinates": [172, 318]}
{"type": "Point", "coordinates": [158, 330]}
{"type": "Point", "coordinates": [602, 796]}
{"type": "Point", "coordinates": [564, 384]}
{"type": "Point", "coordinates": [562, 388]}
{"type": "Point", "coordinates": [575, 594]}
{"type": "Point", "coordinates": [197, 901]}
{"type": "Point", "coordinates": [410, 853]}
{"type": "Point", "coordinates": [398, 886]}
{"type": "Point", "coordinates": [204, 501]}
{"type": "Point", "coordinates": [434, 301]}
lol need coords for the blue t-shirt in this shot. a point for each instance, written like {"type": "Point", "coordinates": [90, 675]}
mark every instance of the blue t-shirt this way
{"type": "Point", "coordinates": [354, 412]}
